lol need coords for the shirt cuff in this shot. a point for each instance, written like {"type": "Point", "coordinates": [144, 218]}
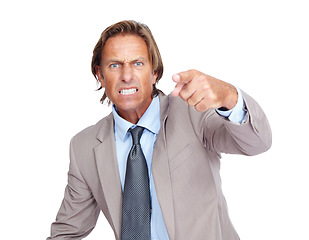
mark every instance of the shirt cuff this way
{"type": "Point", "coordinates": [236, 114]}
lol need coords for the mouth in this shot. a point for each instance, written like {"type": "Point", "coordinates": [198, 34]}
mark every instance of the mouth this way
{"type": "Point", "coordinates": [129, 91]}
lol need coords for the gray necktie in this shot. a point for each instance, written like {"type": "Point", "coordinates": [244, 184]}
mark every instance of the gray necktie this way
{"type": "Point", "coordinates": [136, 196]}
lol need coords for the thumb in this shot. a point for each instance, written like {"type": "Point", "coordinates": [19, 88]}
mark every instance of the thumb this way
{"type": "Point", "coordinates": [179, 85]}
{"type": "Point", "coordinates": [176, 78]}
{"type": "Point", "coordinates": [184, 77]}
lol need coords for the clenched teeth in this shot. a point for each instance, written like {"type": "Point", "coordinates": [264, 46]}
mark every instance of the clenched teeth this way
{"type": "Point", "coordinates": [128, 91]}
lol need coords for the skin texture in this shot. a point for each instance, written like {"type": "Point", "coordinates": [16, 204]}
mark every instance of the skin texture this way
{"type": "Point", "coordinates": [126, 74]}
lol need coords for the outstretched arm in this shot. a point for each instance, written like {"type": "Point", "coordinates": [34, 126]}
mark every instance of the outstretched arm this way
{"type": "Point", "coordinates": [250, 136]}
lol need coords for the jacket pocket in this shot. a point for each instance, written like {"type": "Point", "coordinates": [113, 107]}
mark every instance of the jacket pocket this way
{"type": "Point", "coordinates": [181, 157]}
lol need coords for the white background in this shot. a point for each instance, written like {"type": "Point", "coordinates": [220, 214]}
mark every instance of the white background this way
{"type": "Point", "coordinates": [47, 95]}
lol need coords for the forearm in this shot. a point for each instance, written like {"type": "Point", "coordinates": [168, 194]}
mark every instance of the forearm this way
{"type": "Point", "coordinates": [219, 134]}
{"type": "Point", "coordinates": [251, 137]}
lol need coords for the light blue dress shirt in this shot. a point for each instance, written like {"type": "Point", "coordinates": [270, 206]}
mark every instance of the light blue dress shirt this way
{"type": "Point", "coordinates": [151, 122]}
{"type": "Point", "coordinates": [238, 113]}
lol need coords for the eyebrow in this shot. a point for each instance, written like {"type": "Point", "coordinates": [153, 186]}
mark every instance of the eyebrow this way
{"type": "Point", "coordinates": [122, 61]}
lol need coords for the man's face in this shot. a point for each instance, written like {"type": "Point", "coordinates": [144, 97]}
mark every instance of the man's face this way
{"type": "Point", "coordinates": [126, 73]}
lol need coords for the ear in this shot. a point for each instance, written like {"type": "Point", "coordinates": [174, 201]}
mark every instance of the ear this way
{"type": "Point", "coordinates": [154, 77]}
{"type": "Point", "coordinates": [99, 75]}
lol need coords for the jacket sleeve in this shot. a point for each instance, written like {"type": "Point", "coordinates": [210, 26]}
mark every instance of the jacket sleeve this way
{"type": "Point", "coordinates": [79, 211]}
{"type": "Point", "coordinates": [218, 134]}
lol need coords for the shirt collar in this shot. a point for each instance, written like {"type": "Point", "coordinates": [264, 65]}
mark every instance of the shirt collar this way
{"type": "Point", "coordinates": [150, 120]}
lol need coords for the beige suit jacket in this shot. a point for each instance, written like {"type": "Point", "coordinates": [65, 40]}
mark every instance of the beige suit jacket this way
{"type": "Point", "coordinates": [185, 167]}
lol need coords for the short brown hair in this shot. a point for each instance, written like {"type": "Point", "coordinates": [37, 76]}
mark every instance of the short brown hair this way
{"type": "Point", "coordinates": [129, 27]}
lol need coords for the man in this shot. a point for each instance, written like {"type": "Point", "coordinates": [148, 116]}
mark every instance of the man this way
{"type": "Point", "coordinates": [180, 141]}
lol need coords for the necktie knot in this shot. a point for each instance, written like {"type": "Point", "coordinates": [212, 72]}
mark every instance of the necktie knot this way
{"type": "Point", "coordinates": [136, 134]}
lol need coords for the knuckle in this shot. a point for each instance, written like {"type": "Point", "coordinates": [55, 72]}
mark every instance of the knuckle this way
{"type": "Point", "coordinates": [190, 101]}
{"type": "Point", "coordinates": [201, 107]}
{"type": "Point", "coordinates": [193, 73]}
{"type": "Point", "coordinates": [183, 95]}
{"type": "Point", "coordinates": [198, 108]}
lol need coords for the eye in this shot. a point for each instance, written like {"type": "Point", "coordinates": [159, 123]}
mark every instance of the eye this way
{"type": "Point", "coordinates": [114, 65]}
{"type": "Point", "coordinates": [138, 64]}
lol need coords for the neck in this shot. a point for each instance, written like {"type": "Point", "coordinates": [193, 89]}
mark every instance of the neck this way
{"type": "Point", "coordinates": [134, 115]}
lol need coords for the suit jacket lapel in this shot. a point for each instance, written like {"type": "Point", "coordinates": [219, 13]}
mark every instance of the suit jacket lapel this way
{"type": "Point", "coordinates": [106, 159]}
{"type": "Point", "coordinates": [161, 172]}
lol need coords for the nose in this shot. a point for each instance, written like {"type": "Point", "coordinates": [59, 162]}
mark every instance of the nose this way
{"type": "Point", "coordinates": [127, 73]}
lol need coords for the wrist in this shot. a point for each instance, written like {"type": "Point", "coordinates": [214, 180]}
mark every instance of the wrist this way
{"type": "Point", "coordinates": [231, 98]}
